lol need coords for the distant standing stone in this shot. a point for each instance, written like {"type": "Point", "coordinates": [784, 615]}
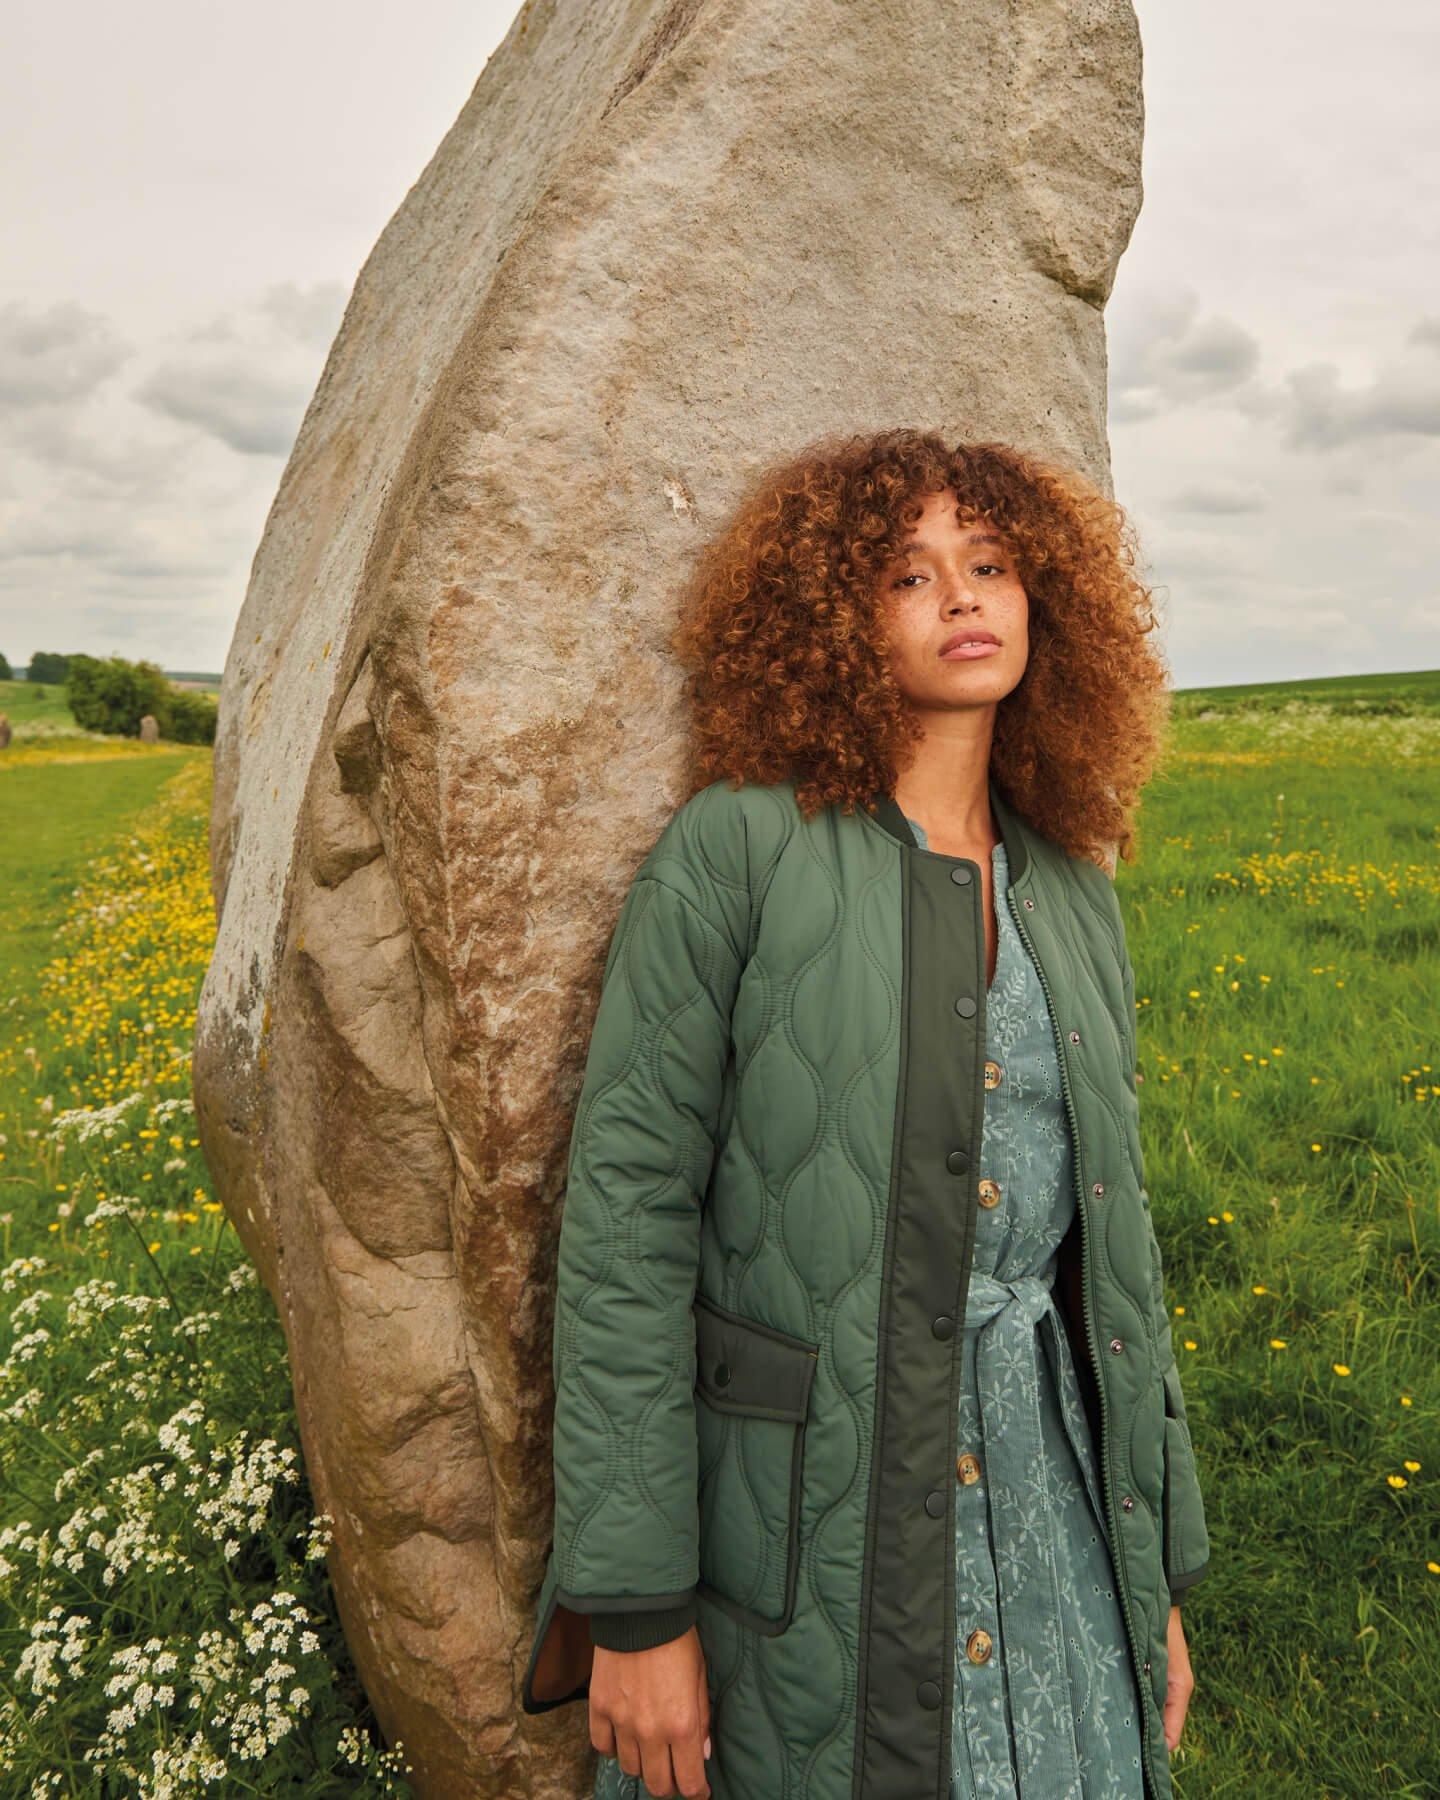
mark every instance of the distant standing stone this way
{"type": "Point", "coordinates": [149, 729]}
{"type": "Point", "coordinates": [4, 731]}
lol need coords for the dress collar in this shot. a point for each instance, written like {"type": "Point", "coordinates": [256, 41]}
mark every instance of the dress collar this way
{"type": "Point", "coordinates": [1012, 827]}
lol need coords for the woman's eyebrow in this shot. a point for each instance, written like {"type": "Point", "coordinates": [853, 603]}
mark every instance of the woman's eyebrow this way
{"type": "Point", "coordinates": [914, 547]}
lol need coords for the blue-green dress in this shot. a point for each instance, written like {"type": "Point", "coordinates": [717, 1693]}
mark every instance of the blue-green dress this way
{"type": "Point", "coordinates": [1045, 1706]}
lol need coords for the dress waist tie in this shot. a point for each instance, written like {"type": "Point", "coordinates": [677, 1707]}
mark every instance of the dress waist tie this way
{"type": "Point", "coordinates": [1005, 1316]}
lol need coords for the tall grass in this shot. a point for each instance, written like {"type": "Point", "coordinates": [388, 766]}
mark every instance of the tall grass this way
{"type": "Point", "coordinates": [166, 1627]}
{"type": "Point", "coordinates": [1284, 918]}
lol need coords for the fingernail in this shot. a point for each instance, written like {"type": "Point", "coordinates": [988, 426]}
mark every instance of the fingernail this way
{"type": "Point", "coordinates": [707, 1746]}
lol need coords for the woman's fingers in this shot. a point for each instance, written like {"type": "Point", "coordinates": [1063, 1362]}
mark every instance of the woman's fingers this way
{"type": "Point", "coordinates": [657, 1767]}
{"type": "Point", "coordinates": [602, 1732]}
{"type": "Point", "coordinates": [627, 1752]}
{"type": "Point", "coordinates": [688, 1754]}
{"type": "Point", "coordinates": [703, 1701]}
{"type": "Point", "coordinates": [650, 1710]}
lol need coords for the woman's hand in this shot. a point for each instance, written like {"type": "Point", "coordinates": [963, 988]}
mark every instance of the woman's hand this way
{"type": "Point", "coordinates": [651, 1710]}
{"type": "Point", "coordinates": [1179, 1681]}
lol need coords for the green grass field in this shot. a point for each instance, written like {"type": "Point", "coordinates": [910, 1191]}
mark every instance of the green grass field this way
{"type": "Point", "coordinates": [37, 709]}
{"type": "Point", "coordinates": [1284, 918]}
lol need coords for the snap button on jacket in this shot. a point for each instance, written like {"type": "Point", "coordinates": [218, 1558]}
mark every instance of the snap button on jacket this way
{"type": "Point", "coordinates": [766, 1241]}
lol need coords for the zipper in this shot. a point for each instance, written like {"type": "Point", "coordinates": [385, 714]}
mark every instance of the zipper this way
{"type": "Point", "coordinates": [1136, 1660]}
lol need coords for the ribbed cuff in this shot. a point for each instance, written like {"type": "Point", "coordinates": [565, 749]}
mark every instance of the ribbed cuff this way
{"type": "Point", "coordinates": [640, 1630]}
{"type": "Point", "coordinates": [1181, 1587]}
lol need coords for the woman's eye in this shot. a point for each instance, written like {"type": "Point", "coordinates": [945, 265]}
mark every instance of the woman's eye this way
{"type": "Point", "coordinates": [995, 567]}
{"type": "Point", "coordinates": [904, 578]}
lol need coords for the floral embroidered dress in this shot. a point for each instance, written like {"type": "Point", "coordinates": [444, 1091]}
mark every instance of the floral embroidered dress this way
{"type": "Point", "coordinates": [1044, 1698]}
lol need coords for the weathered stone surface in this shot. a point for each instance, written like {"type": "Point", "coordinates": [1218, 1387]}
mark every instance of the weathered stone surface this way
{"type": "Point", "coordinates": [662, 243]}
{"type": "Point", "coordinates": [149, 729]}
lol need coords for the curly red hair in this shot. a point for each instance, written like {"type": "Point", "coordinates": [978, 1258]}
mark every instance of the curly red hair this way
{"type": "Point", "coordinates": [782, 633]}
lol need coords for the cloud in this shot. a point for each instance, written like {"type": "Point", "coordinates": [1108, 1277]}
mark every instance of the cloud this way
{"type": "Point", "coordinates": [310, 315]}
{"type": "Point", "coordinates": [132, 497]}
{"type": "Point", "coordinates": [1218, 500]}
{"type": "Point", "coordinates": [245, 377]}
{"type": "Point", "coordinates": [1166, 356]}
{"type": "Point", "coordinates": [71, 444]}
{"type": "Point", "coordinates": [49, 535]}
{"type": "Point", "coordinates": [55, 355]}
{"type": "Point", "coordinates": [1403, 400]}
{"type": "Point", "coordinates": [254, 409]}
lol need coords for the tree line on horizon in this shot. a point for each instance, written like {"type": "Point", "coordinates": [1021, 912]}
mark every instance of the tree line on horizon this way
{"type": "Point", "coordinates": [112, 694]}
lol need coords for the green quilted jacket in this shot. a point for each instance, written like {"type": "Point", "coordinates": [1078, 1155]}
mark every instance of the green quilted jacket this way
{"type": "Point", "coordinates": [763, 1263]}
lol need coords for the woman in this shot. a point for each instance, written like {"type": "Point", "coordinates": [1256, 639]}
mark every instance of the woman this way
{"type": "Point", "coordinates": [873, 1479]}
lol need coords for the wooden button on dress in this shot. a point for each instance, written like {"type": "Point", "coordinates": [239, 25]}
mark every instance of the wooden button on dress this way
{"type": "Point", "coordinates": [978, 1646]}
{"type": "Point", "coordinates": [992, 1076]}
{"type": "Point", "coordinates": [967, 1468]}
{"type": "Point", "coordinates": [989, 1192]}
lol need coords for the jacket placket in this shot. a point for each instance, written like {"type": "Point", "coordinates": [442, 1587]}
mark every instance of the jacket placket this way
{"type": "Point", "coordinates": [904, 1714]}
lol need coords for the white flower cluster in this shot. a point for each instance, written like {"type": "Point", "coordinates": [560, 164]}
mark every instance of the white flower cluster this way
{"type": "Point", "coordinates": [57, 1645]}
{"type": "Point", "coordinates": [84, 1122]}
{"type": "Point", "coordinates": [241, 1486]}
{"type": "Point", "coordinates": [144, 1521]}
{"type": "Point", "coordinates": [93, 1300]}
{"type": "Point", "coordinates": [243, 1680]}
{"type": "Point", "coordinates": [176, 1106]}
{"type": "Point", "coordinates": [17, 1273]}
{"type": "Point", "coordinates": [118, 1206]}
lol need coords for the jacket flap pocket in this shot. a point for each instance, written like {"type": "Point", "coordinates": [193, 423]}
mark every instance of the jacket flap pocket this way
{"type": "Point", "coordinates": [745, 1367]}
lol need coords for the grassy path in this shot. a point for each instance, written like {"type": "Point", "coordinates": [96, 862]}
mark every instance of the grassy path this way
{"type": "Point", "coordinates": [56, 806]}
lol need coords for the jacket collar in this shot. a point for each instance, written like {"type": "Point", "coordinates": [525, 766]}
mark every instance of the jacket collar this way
{"type": "Point", "coordinates": [1013, 829]}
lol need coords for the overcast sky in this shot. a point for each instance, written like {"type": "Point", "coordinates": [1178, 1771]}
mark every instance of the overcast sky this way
{"type": "Point", "coordinates": [190, 196]}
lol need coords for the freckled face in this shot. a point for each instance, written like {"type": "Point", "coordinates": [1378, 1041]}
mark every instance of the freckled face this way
{"type": "Point", "coordinates": [956, 614]}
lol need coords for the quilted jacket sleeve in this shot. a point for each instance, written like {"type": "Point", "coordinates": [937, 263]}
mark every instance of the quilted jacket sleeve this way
{"type": "Point", "coordinates": [1187, 1543]}
{"type": "Point", "coordinates": [625, 1452]}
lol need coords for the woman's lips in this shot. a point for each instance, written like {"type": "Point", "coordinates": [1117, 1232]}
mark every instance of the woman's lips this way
{"type": "Point", "coordinates": [965, 651]}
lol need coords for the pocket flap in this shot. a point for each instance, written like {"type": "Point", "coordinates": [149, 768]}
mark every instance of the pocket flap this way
{"type": "Point", "coordinates": [745, 1367]}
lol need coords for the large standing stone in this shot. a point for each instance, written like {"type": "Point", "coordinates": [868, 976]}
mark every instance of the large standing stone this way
{"type": "Point", "coordinates": [149, 729]}
{"type": "Point", "coordinates": [662, 243]}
